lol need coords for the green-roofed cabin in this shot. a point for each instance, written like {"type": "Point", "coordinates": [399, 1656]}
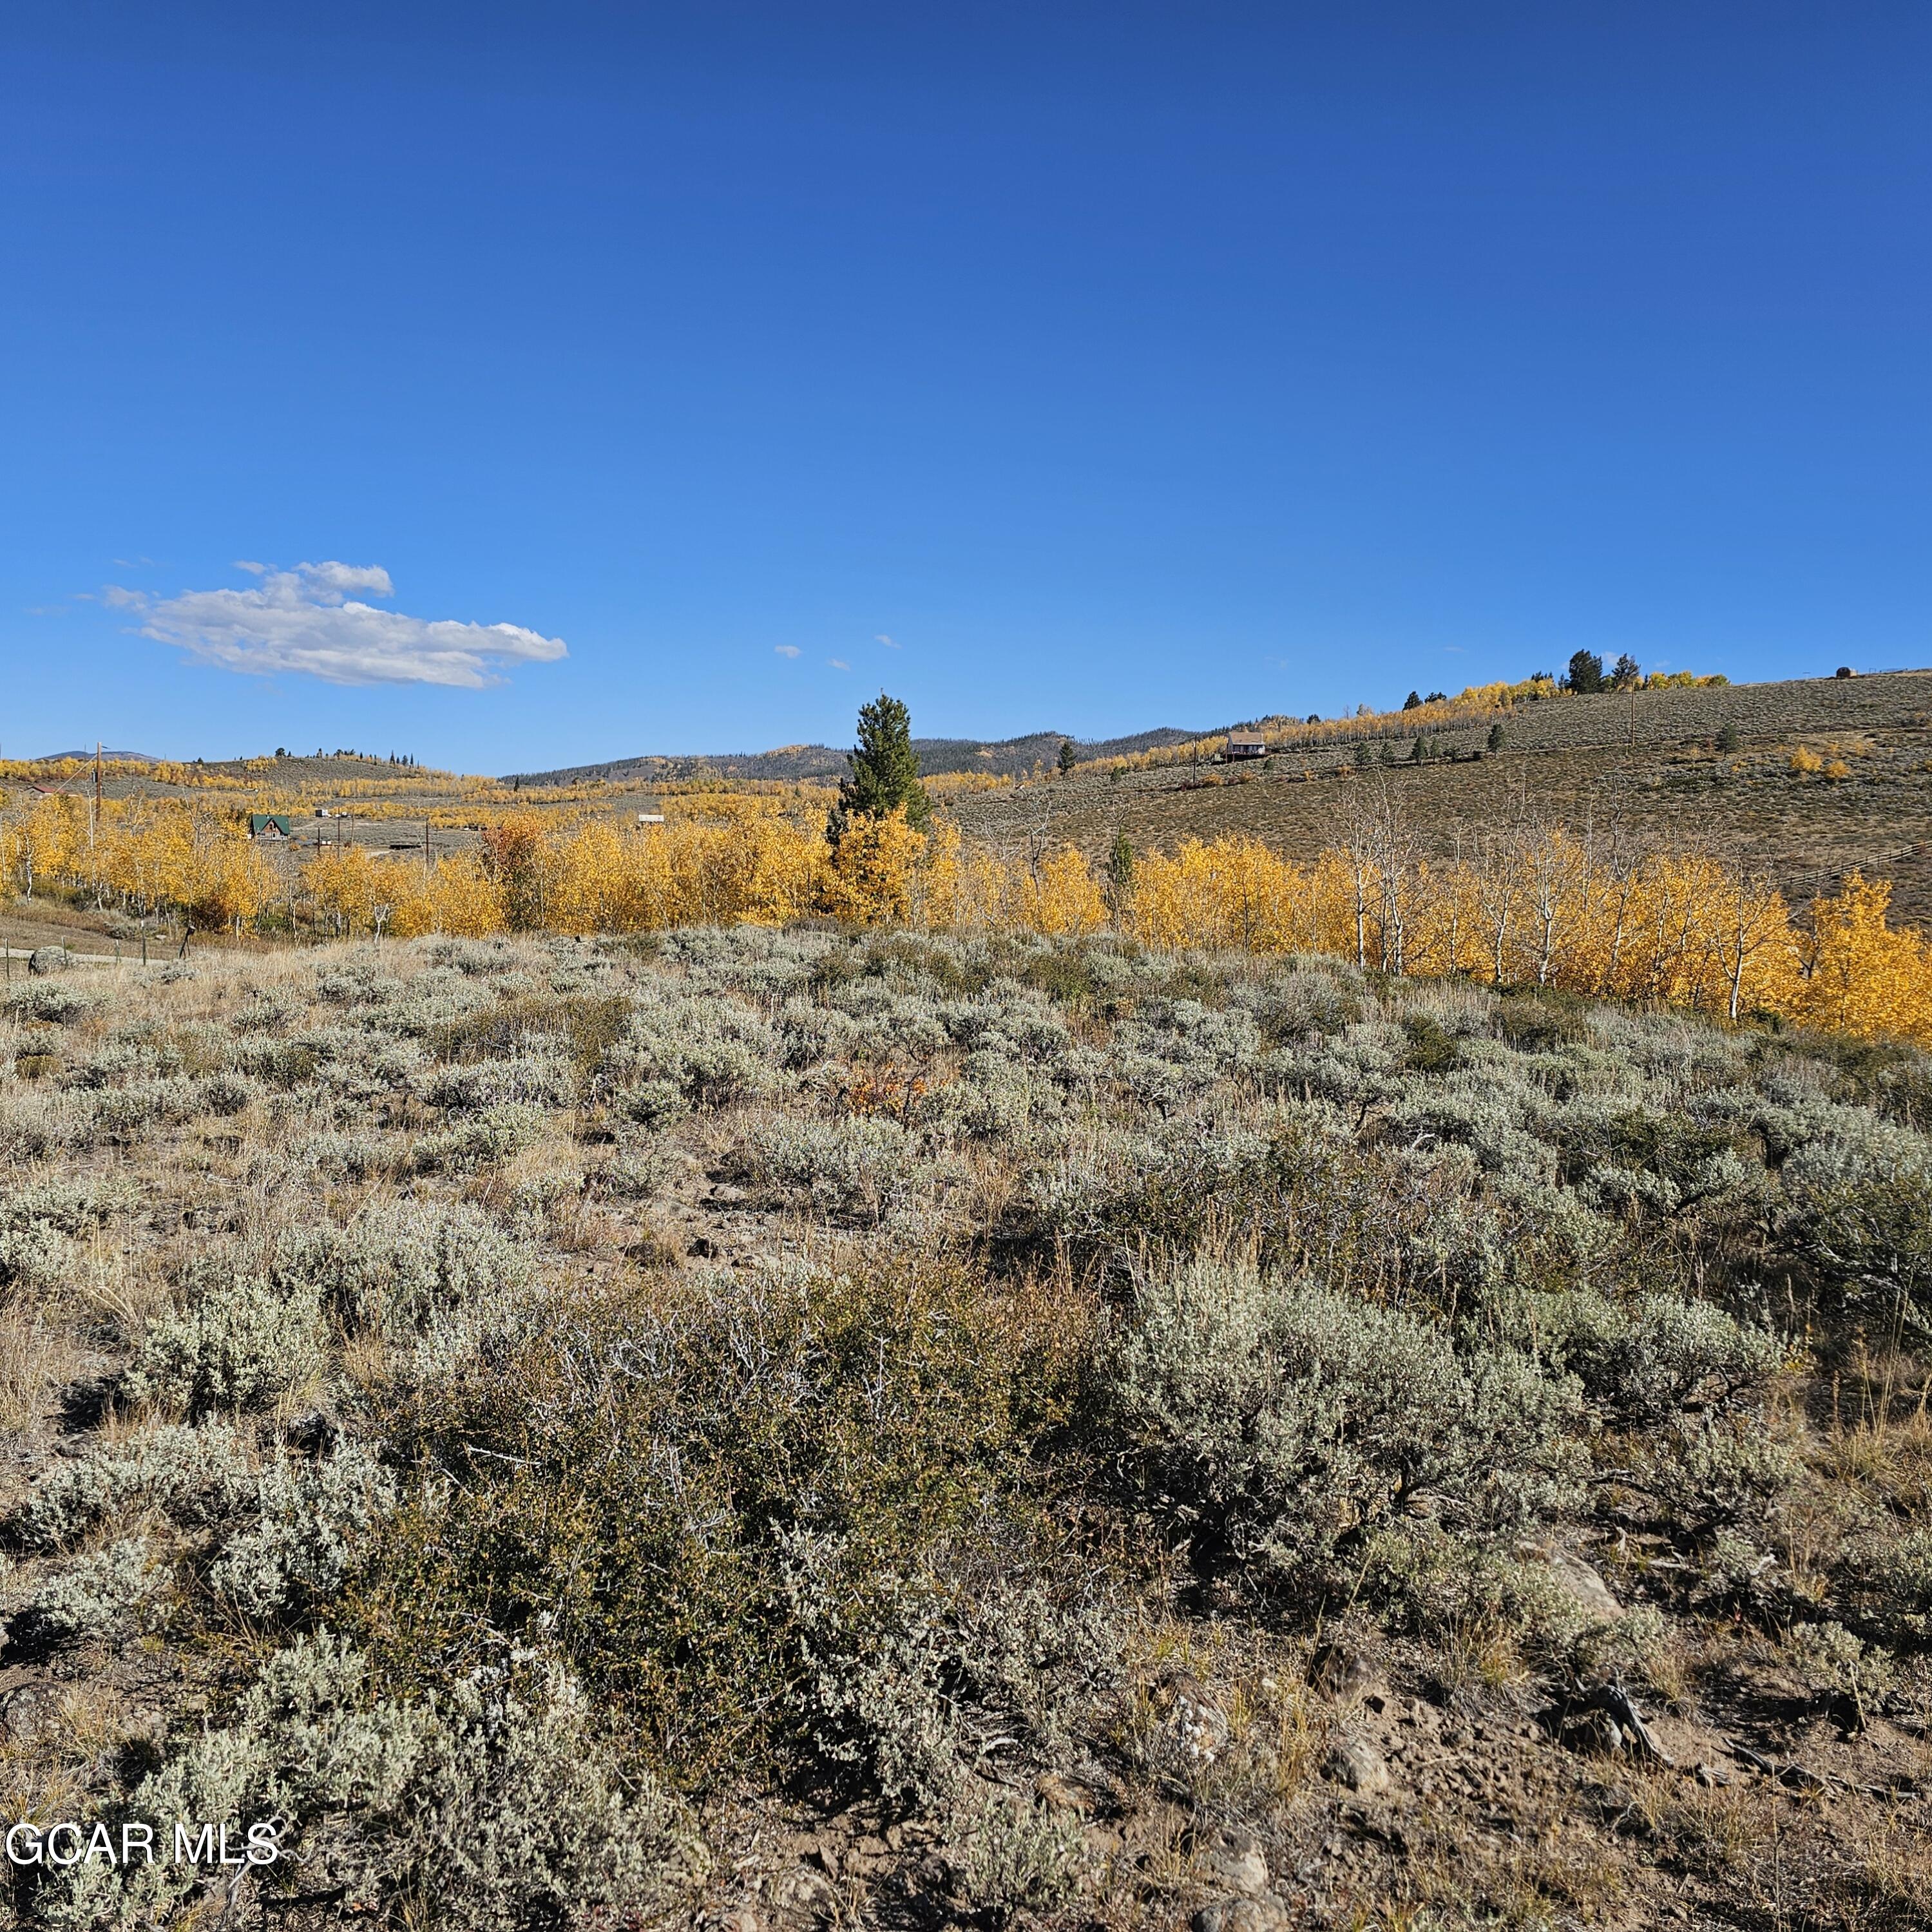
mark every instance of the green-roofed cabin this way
{"type": "Point", "coordinates": [270, 825]}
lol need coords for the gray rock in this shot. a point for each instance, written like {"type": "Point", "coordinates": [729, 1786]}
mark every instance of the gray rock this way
{"type": "Point", "coordinates": [1240, 1915]}
{"type": "Point", "coordinates": [1338, 1672]}
{"type": "Point", "coordinates": [1357, 1763]}
{"type": "Point", "coordinates": [48, 959]}
{"type": "Point", "coordinates": [28, 1713]}
{"type": "Point", "coordinates": [1595, 1731]}
{"type": "Point", "coordinates": [1241, 1868]}
{"type": "Point", "coordinates": [1583, 1586]}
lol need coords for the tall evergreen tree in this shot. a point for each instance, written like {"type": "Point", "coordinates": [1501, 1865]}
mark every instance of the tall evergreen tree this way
{"type": "Point", "coordinates": [884, 772]}
{"type": "Point", "coordinates": [1586, 672]}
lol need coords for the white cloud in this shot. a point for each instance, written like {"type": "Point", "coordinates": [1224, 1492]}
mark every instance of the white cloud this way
{"type": "Point", "coordinates": [838, 664]}
{"type": "Point", "coordinates": [883, 639]}
{"type": "Point", "coordinates": [786, 650]}
{"type": "Point", "coordinates": [308, 620]}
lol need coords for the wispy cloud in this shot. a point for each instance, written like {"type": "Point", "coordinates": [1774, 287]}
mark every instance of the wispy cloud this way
{"type": "Point", "coordinates": [309, 620]}
{"type": "Point", "coordinates": [883, 639]}
{"type": "Point", "coordinates": [785, 650]}
{"type": "Point", "coordinates": [838, 664]}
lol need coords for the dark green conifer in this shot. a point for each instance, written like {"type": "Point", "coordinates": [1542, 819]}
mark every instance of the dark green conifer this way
{"type": "Point", "coordinates": [884, 772]}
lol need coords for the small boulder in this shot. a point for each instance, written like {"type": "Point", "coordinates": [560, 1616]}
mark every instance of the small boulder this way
{"type": "Point", "coordinates": [28, 1713]}
{"type": "Point", "coordinates": [1336, 1671]}
{"type": "Point", "coordinates": [1240, 1915]}
{"type": "Point", "coordinates": [1357, 1763]}
{"type": "Point", "coordinates": [45, 959]}
{"type": "Point", "coordinates": [1239, 1867]}
{"type": "Point", "coordinates": [1584, 1587]}
{"type": "Point", "coordinates": [1595, 1732]}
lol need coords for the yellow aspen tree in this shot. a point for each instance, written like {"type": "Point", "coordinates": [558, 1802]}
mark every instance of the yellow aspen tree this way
{"type": "Point", "coordinates": [869, 881]}
{"type": "Point", "coordinates": [1751, 941]}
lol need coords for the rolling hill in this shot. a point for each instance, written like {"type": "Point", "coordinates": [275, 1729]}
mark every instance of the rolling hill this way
{"type": "Point", "coordinates": [1004, 757]}
{"type": "Point", "coordinates": [1650, 769]}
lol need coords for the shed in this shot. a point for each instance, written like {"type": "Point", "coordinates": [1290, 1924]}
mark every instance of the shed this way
{"type": "Point", "coordinates": [1247, 745]}
{"type": "Point", "coordinates": [270, 825]}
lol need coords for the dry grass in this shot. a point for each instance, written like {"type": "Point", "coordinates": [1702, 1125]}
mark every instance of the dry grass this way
{"type": "Point", "coordinates": [38, 1359]}
{"type": "Point", "coordinates": [118, 1286]}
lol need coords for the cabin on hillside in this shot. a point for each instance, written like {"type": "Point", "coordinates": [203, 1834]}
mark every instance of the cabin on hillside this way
{"type": "Point", "coordinates": [1247, 745]}
{"type": "Point", "coordinates": [270, 825]}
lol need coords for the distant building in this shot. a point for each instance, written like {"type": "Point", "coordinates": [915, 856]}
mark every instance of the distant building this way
{"type": "Point", "coordinates": [1247, 745]}
{"type": "Point", "coordinates": [270, 825]}
{"type": "Point", "coordinates": [651, 812]}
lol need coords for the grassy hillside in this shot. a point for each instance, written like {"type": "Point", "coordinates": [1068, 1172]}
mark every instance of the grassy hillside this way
{"type": "Point", "coordinates": [748, 1428]}
{"type": "Point", "coordinates": [1651, 765]}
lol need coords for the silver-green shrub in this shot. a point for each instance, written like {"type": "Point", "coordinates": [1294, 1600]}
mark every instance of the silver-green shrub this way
{"type": "Point", "coordinates": [1897, 1573]}
{"type": "Point", "coordinates": [70, 1206]}
{"type": "Point", "coordinates": [1010, 1855]}
{"type": "Point", "coordinates": [921, 1682]}
{"type": "Point", "coordinates": [52, 999]}
{"type": "Point", "coordinates": [1290, 1427]}
{"type": "Point", "coordinates": [536, 1078]}
{"type": "Point", "coordinates": [194, 1477]}
{"type": "Point", "coordinates": [495, 1808]}
{"type": "Point", "coordinates": [485, 1139]}
{"type": "Point", "coordinates": [308, 1515]}
{"type": "Point", "coordinates": [239, 1344]}
{"type": "Point", "coordinates": [101, 1598]}
{"type": "Point", "coordinates": [229, 1093]}
{"type": "Point", "coordinates": [399, 1263]}
{"type": "Point", "coordinates": [1651, 1358]}
{"type": "Point", "coordinates": [712, 1053]}
{"type": "Point", "coordinates": [853, 1169]}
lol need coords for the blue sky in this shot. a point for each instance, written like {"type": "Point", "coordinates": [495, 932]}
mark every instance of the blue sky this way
{"type": "Point", "coordinates": [1122, 364]}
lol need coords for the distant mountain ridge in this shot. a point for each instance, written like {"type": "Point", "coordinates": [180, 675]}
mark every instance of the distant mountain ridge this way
{"type": "Point", "coordinates": [1004, 757]}
{"type": "Point", "coordinates": [87, 756]}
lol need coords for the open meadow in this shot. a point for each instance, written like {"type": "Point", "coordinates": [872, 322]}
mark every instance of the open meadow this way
{"type": "Point", "coordinates": [743, 1428]}
{"type": "Point", "coordinates": [1343, 1340]}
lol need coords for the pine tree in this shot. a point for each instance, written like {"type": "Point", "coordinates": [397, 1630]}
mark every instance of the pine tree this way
{"type": "Point", "coordinates": [884, 776]}
{"type": "Point", "coordinates": [1066, 756]}
{"type": "Point", "coordinates": [1586, 672]}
